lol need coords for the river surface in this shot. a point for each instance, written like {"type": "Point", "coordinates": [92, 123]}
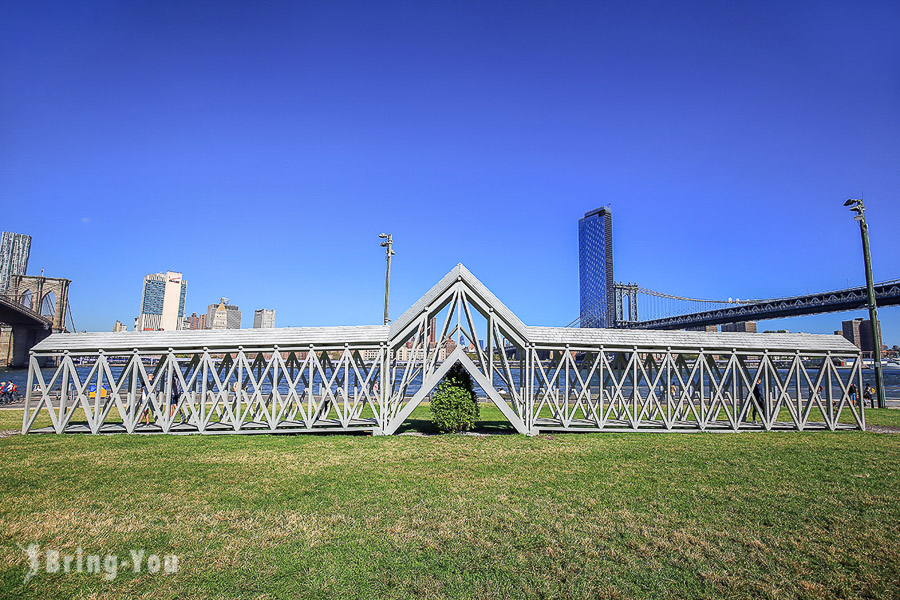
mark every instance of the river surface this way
{"type": "Point", "coordinates": [20, 377]}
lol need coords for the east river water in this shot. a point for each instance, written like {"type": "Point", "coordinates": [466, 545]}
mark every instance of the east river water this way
{"type": "Point", "coordinates": [20, 377]}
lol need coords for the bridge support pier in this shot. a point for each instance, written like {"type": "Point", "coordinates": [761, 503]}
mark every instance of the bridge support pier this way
{"type": "Point", "coordinates": [16, 341]}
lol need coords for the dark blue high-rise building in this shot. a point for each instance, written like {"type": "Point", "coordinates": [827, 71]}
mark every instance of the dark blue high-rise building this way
{"type": "Point", "coordinates": [595, 269]}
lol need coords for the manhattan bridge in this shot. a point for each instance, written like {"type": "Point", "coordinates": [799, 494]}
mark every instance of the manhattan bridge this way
{"type": "Point", "coordinates": [637, 307]}
{"type": "Point", "coordinates": [605, 303]}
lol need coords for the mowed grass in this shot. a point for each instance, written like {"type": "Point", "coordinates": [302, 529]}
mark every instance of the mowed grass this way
{"type": "Point", "coordinates": [765, 515]}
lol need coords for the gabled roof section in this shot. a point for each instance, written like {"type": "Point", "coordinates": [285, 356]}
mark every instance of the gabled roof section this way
{"type": "Point", "coordinates": [726, 341]}
{"type": "Point", "coordinates": [462, 274]}
{"type": "Point", "coordinates": [285, 337]}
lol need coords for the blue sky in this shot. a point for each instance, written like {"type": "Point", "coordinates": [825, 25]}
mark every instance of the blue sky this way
{"type": "Point", "coordinates": [260, 148]}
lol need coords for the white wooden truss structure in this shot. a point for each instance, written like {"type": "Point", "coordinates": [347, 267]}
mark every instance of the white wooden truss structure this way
{"type": "Point", "coordinates": [371, 378]}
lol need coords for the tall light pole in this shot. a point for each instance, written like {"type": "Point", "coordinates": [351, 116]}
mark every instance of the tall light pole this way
{"type": "Point", "coordinates": [387, 244]}
{"type": "Point", "coordinates": [856, 205]}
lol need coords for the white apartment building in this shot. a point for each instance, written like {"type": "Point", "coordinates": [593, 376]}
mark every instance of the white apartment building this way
{"type": "Point", "coordinates": [162, 302]}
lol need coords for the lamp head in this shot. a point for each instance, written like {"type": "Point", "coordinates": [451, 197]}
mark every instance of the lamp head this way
{"type": "Point", "coordinates": [384, 235]}
{"type": "Point", "coordinates": [851, 201]}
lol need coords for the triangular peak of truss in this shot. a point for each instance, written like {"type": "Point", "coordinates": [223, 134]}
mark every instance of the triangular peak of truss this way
{"type": "Point", "coordinates": [458, 285]}
{"type": "Point", "coordinates": [432, 379]}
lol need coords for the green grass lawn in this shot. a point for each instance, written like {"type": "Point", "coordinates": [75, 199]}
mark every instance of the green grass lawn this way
{"type": "Point", "coordinates": [765, 515]}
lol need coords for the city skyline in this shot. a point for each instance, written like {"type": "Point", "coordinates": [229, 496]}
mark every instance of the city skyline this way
{"type": "Point", "coordinates": [725, 147]}
{"type": "Point", "coordinates": [234, 319]}
{"type": "Point", "coordinates": [265, 318]}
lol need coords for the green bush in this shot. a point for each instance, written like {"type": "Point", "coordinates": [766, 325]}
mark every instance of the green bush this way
{"type": "Point", "coordinates": [453, 403]}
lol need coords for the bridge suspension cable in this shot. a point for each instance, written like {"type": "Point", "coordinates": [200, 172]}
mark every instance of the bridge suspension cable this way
{"type": "Point", "coordinates": [70, 317]}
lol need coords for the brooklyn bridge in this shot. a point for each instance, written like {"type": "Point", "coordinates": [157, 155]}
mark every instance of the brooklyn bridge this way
{"type": "Point", "coordinates": [32, 308]}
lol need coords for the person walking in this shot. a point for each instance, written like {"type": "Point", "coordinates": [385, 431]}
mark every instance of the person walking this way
{"type": "Point", "coordinates": [176, 396]}
{"type": "Point", "coordinates": [145, 388]}
{"type": "Point", "coordinates": [673, 401]}
{"type": "Point", "coordinates": [758, 400]}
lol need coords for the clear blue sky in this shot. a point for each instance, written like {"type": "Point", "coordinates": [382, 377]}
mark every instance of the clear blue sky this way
{"type": "Point", "coordinates": [261, 147]}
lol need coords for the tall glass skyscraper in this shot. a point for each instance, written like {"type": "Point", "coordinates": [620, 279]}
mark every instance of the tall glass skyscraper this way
{"type": "Point", "coordinates": [14, 251]}
{"type": "Point", "coordinates": [595, 269]}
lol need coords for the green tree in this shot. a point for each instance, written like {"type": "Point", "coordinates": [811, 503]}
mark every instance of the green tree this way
{"type": "Point", "coordinates": [454, 406]}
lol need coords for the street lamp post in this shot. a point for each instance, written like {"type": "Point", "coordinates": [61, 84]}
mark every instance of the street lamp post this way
{"type": "Point", "coordinates": [856, 205]}
{"type": "Point", "coordinates": [387, 244]}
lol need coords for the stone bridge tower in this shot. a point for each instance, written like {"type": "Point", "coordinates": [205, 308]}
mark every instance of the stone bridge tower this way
{"type": "Point", "coordinates": [48, 296]}
{"type": "Point", "coordinates": [33, 308]}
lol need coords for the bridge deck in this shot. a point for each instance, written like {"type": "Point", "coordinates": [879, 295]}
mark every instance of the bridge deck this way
{"type": "Point", "coordinates": [886, 294]}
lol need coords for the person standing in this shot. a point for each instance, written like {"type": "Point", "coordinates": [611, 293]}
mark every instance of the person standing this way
{"type": "Point", "coordinates": [673, 401]}
{"type": "Point", "coordinates": [236, 388]}
{"type": "Point", "coordinates": [853, 394]}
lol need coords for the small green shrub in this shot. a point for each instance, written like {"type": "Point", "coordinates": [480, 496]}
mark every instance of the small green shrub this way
{"type": "Point", "coordinates": [453, 403]}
